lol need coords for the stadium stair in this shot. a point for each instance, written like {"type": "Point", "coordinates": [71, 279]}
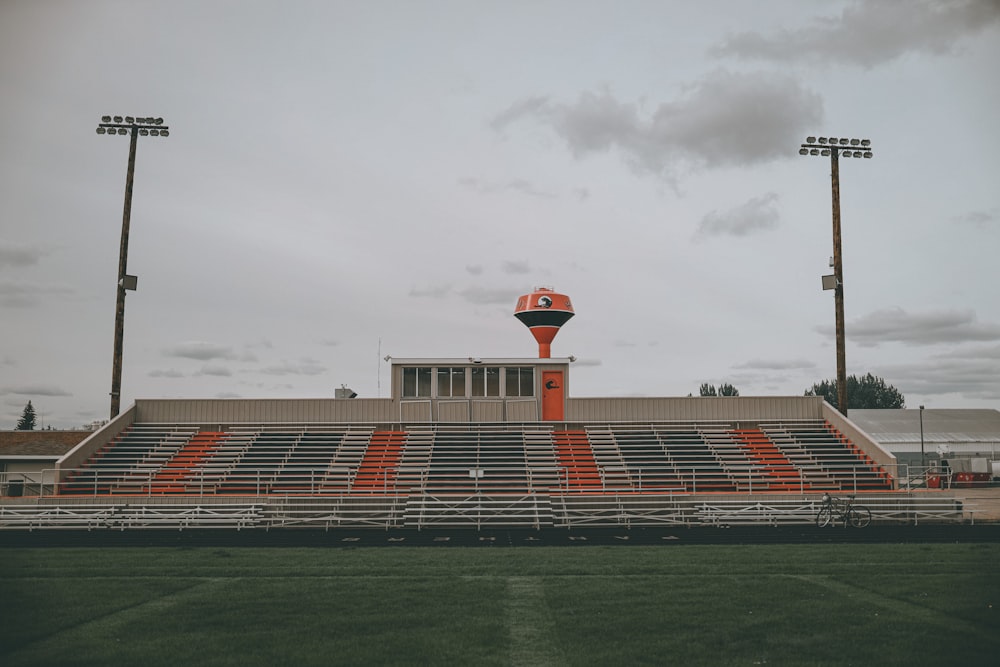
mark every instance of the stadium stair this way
{"type": "Point", "coordinates": [185, 463]}
{"type": "Point", "coordinates": [782, 475]}
{"type": "Point", "coordinates": [380, 465]}
{"type": "Point", "coordinates": [575, 455]}
{"type": "Point", "coordinates": [884, 479]}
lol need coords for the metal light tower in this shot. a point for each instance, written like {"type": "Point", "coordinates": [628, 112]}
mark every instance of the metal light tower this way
{"type": "Point", "coordinates": [835, 148]}
{"type": "Point", "coordinates": [923, 458]}
{"type": "Point", "coordinates": [135, 127]}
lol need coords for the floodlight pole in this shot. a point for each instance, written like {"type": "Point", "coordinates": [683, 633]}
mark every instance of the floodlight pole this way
{"type": "Point", "coordinates": [838, 293]}
{"type": "Point", "coordinates": [923, 459]}
{"type": "Point", "coordinates": [834, 148]}
{"type": "Point", "coordinates": [133, 127]}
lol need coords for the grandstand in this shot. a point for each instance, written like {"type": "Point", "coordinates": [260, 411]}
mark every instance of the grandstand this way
{"type": "Point", "coordinates": [466, 442]}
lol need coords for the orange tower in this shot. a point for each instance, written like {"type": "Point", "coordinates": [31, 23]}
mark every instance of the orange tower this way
{"type": "Point", "coordinates": [544, 312]}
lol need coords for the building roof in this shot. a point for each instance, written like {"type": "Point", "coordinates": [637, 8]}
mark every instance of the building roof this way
{"type": "Point", "coordinates": [43, 444]}
{"type": "Point", "coordinates": [491, 361]}
{"type": "Point", "coordinates": [939, 425]}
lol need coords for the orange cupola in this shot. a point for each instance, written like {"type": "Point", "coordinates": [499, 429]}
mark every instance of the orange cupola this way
{"type": "Point", "coordinates": [544, 312]}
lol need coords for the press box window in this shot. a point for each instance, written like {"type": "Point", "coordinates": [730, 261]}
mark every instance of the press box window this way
{"type": "Point", "coordinates": [451, 382]}
{"type": "Point", "coordinates": [485, 381]}
{"type": "Point", "coordinates": [520, 381]}
{"type": "Point", "coordinates": [416, 382]}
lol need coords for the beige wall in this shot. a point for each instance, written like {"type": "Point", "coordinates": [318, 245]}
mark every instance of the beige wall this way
{"type": "Point", "coordinates": [710, 408]}
{"type": "Point", "coordinates": [221, 412]}
{"type": "Point", "coordinates": [209, 412]}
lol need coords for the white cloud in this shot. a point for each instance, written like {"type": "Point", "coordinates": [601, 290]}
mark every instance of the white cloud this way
{"type": "Point", "coordinates": [18, 255]}
{"type": "Point", "coordinates": [758, 214]}
{"type": "Point", "coordinates": [201, 351]}
{"type": "Point", "coordinates": [431, 291]}
{"type": "Point", "coordinates": [518, 185]}
{"type": "Point", "coordinates": [487, 296]}
{"type": "Point", "coordinates": [516, 267]}
{"type": "Point", "coordinates": [725, 119]}
{"type": "Point", "coordinates": [35, 390]}
{"type": "Point", "coordinates": [981, 218]}
{"type": "Point", "coordinates": [776, 364]}
{"type": "Point", "coordinates": [24, 295]}
{"type": "Point", "coordinates": [895, 325]}
{"type": "Point", "coordinates": [870, 33]}
{"type": "Point", "coordinates": [301, 367]}
{"type": "Point", "coordinates": [217, 371]}
{"type": "Point", "coordinates": [228, 394]}
{"type": "Point", "coordinates": [972, 378]}
{"type": "Point", "coordinates": [165, 373]}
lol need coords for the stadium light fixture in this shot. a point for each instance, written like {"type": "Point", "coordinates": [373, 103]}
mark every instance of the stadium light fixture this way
{"type": "Point", "coordinates": [833, 148]}
{"type": "Point", "coordinates": [136, 127]}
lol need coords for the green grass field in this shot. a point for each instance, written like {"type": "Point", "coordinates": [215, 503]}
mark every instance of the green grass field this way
{"type": "Point", "coordinates": [933, 604]}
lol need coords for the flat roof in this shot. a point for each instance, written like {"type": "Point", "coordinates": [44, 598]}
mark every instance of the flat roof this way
{"type": "Point", "coordinates": [940, 425]}
{"type": "Point", "coordinates": [492, 361]}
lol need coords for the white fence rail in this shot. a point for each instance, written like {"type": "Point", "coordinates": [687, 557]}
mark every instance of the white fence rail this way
{"type": "Point", "coordinates": [422, 511]}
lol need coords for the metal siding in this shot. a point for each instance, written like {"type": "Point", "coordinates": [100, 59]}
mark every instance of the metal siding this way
{"type": "Point", "coordinates": [524, 410]}
{"type": "Point", "coordinates": [453, 411]}
{"type": "Point", "coordinates": [722, 408]}
{"type": "Point", "coordinates": [487, 411]}
{"type": "Point", "coordinates": [228, 411]}
{"type": "Point", "coordinates": [236, 411]}
{"type": "Point", "coordinates": [415, 411]}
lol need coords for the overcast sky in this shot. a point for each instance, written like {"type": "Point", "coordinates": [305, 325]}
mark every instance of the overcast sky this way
{"type": "Point", "coordinates": [347, 180]}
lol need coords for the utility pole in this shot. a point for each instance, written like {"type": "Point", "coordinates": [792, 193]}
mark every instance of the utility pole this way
{"type": "Point", "coordinates": [834, 148]}
{"type": "Point", "coordinates": [133, 127]}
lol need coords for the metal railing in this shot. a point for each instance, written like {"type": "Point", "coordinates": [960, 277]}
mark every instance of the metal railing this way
{"type": "Point", "coordinates": [418, 511]}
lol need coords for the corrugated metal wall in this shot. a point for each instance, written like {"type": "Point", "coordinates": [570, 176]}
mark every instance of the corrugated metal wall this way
{"type": "Point", "coordinates": [487, 411]}
{"type": "Point", "coordinates": [715, 408]}
{"type": "Point", "coordinates": [415, 411]}
{"type": "Point", "coordinates": [522, 410]}
{"type": "Point", "coordinates": [324, 410]}
{"type": "Point", "coordinates": [453, 411]}
{"type": "Point", "coordinates": [256, 411]}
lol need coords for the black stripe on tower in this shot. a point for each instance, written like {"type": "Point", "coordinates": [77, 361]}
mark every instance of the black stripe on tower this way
{"type": "Point", "coordinates": [544, 318]}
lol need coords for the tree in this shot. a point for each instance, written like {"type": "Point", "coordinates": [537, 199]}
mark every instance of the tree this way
{"type": "Point", "coordinates": [723, 390]}
{"type": "Point", "coordinates": [27, 420]}
{"type": "Point", "coordinates": [866, 393]}
{"type": "Point", "coordinates": [728, 390]}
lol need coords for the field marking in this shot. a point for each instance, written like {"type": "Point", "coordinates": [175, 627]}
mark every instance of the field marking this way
{"type": "Point", "coordinates": [529, 624]}
{"type": "Point", "coordinates": [919, 612]}
{"type": "Point", "coordinates": [120, 616]}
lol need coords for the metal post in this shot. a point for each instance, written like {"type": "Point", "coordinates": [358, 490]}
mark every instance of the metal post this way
{"type": "Point", "coordinates": [838, 294]}
{"type": "Point", "coordinates": [835, 148]}
{"type": "Point", "coordinates": [923, 460]}
{"type": "Point", "coordinates": [116, 366]}
{"type": "Point", "coordinates": [135, 127]}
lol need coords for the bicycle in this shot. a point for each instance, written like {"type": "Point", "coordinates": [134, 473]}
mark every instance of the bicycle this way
{"type": "Point", "coordinates": [837, 509]}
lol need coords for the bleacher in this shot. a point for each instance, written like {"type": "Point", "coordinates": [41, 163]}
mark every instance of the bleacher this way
{"type": "Point", "coordinates": [477, 460]}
